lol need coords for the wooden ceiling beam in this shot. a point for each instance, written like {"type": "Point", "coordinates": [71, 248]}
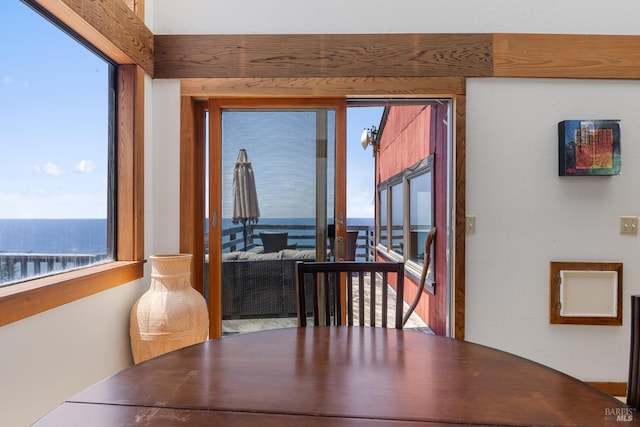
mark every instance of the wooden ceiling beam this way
{"type": "Point", "coordinates": [322, 55]}
{"type": "Point", "coordinates": [344, 56]}
{"type": "Point", "coordinates": [566, 56]}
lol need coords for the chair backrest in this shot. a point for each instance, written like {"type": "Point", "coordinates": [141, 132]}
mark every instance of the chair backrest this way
{"type": "Point", "coordinates": [633, 386]}
{"type": "Point", "coordinates": [352, 245]}
{"type": "Point", "coordinates": [322, 281]}
{"type": "Point", "coordinates": [274, 241]}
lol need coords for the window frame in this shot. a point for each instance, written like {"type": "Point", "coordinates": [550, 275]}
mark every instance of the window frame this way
{"type": "Point", "coordinates": [401, 182]}
{"type": "Point", "coordinates": [25, 299]}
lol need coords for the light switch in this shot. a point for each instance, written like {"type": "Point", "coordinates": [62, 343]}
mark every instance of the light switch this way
{"type": "Point", "coordinates": [628, 225]}
{"type": "Point", "coordinates": [470, 224]}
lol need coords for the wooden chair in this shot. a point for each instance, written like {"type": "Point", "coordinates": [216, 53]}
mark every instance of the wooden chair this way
{"type": "Point", "coordinates": [633, 386]}
{"type": "Point", "coordinates": [320, 282]}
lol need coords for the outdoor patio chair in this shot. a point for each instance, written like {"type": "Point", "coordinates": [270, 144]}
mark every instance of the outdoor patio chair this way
{"type": "Point", "coordinates": [274, 241]}
{"type": "Point", "coordinates": [352, 244]}
{"type": "Point", "coordinates": [326, 306]}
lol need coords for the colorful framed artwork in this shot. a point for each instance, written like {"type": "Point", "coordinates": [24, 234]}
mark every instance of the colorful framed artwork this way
{"type": "Point", "coordinates": [589, 147]}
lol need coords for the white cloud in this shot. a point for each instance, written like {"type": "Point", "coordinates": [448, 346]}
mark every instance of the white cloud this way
{"type": "Point", "coordinates": [52, 169]}
{"type": "Point", "coordinates": [83, 166]}
{"type": "Point", "coordinates": [360, 202]}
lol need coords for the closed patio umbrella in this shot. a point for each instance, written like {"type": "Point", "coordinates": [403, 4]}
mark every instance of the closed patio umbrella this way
{"type": "Point", "coordinates": [245, 197]}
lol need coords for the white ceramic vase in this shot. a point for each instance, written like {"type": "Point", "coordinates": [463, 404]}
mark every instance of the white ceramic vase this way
{"type": "Point", "coordinates": [171, 314]}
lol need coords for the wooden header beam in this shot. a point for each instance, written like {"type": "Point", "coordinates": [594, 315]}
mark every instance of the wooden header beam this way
{"type": "Point", "coordinates": [322, 55]}
{"type": "Point", "coordinates": [566, 56]}
{"type": "Point", "coordinates": [339, 57]}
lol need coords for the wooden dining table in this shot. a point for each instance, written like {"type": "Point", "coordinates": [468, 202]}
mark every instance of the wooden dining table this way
{"type": "Point", "coordinates": [339, 376]}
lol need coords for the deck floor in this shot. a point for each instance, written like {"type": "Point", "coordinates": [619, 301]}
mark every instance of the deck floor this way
{"type": "Point", "coordinates": [235, 326]}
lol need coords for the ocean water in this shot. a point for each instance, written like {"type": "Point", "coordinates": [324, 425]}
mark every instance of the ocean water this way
{"type": "Point", "coordinates": [89, 236]}
{"type": "Point", "coordinates": [53, 236]}
{"type": "Point", "coordinates": [307, 236]}
{"type": "Point", "coordinates": [226, 222]}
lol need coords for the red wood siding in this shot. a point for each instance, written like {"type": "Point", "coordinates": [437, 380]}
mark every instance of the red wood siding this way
{"type": "Point", "coordinates": [410, 134]}
{"type": "Point", "coordinates": [404, 140]}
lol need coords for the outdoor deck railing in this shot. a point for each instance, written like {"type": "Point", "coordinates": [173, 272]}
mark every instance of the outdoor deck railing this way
{"type": "Point", "coordinates": [301, 235]}
{"type": "Point", "coordinates": [15, 267]}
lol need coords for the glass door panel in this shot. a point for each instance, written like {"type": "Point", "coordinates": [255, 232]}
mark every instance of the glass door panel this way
{"type": "Point", "coordinates": [286, 159]}
{"type": "Point", "coordinates": [291, 153]}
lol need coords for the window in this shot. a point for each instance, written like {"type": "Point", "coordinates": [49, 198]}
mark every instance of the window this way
{"type": "Point", "coordinates": [382, 218]}
{"type": "Point", "coordinates": [124, 237]}
{"type": "Point", "coordinates": [56, 134]}
{"type": "Point", "coordinates": [410, 196]}
{"type": "Point", "coordinates": [397, 218]}
{"type": "Point", "coordinates": [420, 214]}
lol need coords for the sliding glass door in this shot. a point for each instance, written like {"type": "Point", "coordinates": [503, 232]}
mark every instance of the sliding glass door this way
{"type": "Point", "coordinates": [277, 184]}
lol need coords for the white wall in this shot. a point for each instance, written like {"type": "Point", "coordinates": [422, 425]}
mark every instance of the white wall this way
{"type": "Point", "coordinates": [162, 178]}
{"type": "Point", "coordinates": [47, 358]}
{"type": "Point", "coordinates": [398, 16]}
{"type": "Point", "coordinates": [527, 216]}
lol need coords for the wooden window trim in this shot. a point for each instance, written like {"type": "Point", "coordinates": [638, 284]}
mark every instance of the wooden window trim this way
{"type": "Point", "coordinates": [192, 189]}
{"type": "Point", "coordinates": [26, 299]}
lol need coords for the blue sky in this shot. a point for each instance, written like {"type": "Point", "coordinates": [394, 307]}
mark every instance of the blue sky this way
{"type": "Point", "coordinates": [282, 149]}
{"type": "Point", "coordinates": [53, 127]}
{"type": "Point", "coordinates": [53, 133]}
{"type": "Point", "coordinates": [360, 163]}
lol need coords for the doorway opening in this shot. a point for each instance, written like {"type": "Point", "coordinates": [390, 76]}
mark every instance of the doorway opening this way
{"type": "Point", "coordinates": [311, 173]}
